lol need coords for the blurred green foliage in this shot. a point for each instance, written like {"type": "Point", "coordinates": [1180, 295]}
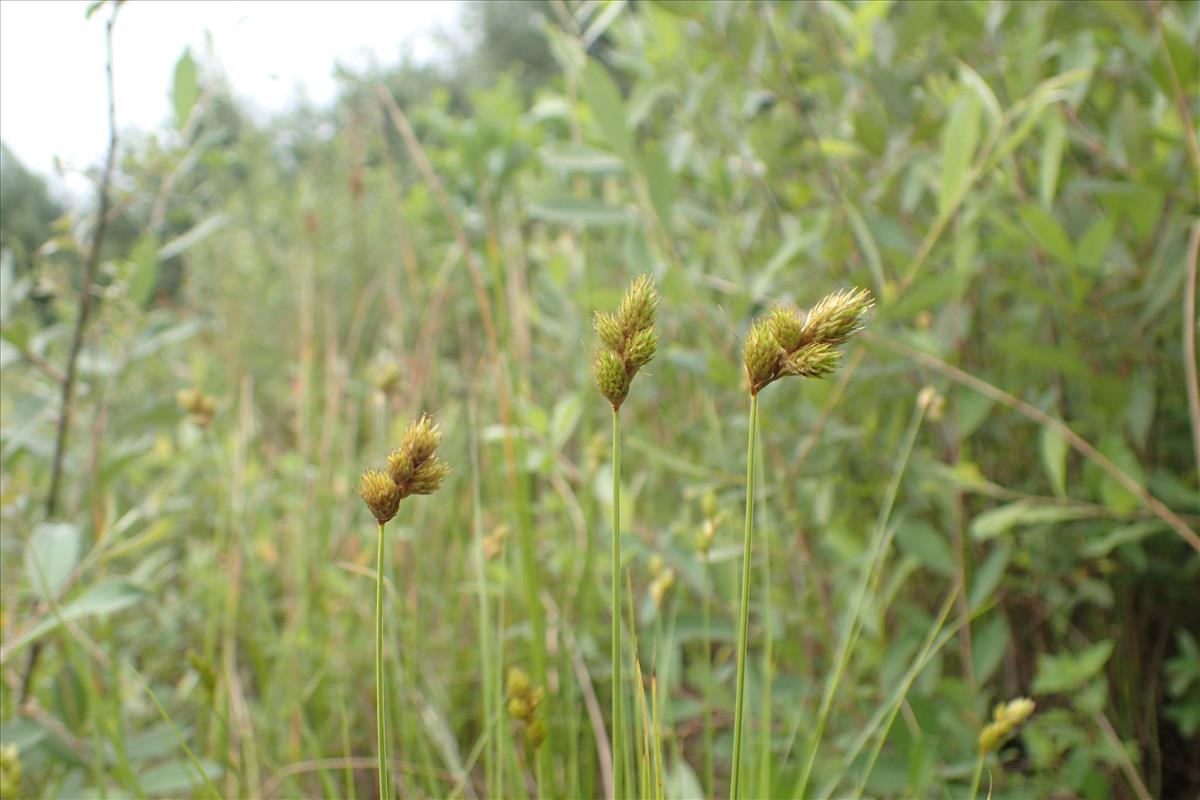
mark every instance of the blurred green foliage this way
{"type": "Point", "coordinates": [1016, 183]}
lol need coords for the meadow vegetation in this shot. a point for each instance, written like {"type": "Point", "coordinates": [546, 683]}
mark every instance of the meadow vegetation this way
{"type": "Point", "coordinates": [974, 561]}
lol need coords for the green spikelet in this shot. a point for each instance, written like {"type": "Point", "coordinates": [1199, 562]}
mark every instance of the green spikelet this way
{"type": "Point", "coordinates": [629, 339]}
{"type": "Point", "coordinates": [785, 342]}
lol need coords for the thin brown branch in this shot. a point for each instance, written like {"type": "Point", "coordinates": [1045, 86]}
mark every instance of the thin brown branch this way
{"type": "Point", "coordinates": [1042, 418]}
{"type": "Point", "coordinates": [81, 317]}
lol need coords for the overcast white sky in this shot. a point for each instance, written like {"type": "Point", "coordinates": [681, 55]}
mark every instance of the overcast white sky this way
{"type": "Point", "coordinates": [52, 60]}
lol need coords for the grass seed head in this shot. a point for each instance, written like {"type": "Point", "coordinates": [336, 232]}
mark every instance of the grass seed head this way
{"type": "Point", "coordinates": [813, 361]}
{"type": "Point", "coordinates": [535, 733]}
{"type": "Point", "coordinates": [421, 439]}
{"type": "Point", "coordinates": [762, 356]}
{"type": "Point", "coordinates": [608, 328]}
{"type": "Point", "coordinates": [639, 307]}
{"type": "Point", "coordinates": [838, 316]}
{"type": "Point", "coordinates": [608, 371]}
{"type": "Point", "coordinates": [413, 467]}
{"type": "Point", "coordinates": [641, 348]}
{"type": "Point", "coordinates": [787, 326]}
{"type": "Point", "coordinates": [428, 477]}
{"type": "Point", "coordinates": [784, 342]}
{"type": "Point", "coordinates": [1006, 719]}
{"type": "Point", "coordinates": [629, 340]}
{"type": "Point", "coordinates": [381, 495]}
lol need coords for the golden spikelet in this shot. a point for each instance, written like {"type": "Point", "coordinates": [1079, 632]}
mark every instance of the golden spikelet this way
{"type": "Point", "coordinates": [381, 495]}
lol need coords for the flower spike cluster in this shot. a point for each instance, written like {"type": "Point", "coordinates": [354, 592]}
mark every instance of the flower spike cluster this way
{"type": "Point", "coordinates": [1006, 719]}
{"type": "Point", "coordinates": [786, 342]}
{"type": "Point", "coordinates": [413, 468]}
{"type": "Point", "coordinates": [629, 340]}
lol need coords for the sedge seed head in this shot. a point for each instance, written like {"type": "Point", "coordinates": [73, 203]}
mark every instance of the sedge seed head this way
{"type": "Point", "coordinates": [608, 372]}
{"type": "Point", "coordinates": [428, 478]}
{"type": "Point", "coordinates": [381, 495]}
{"type": "Point", "coordinates": [641, 348]}
{"type": "Point", "coordinates": [787, 326]}
{"type": "Point", "coordinates": [608, 328]}
{"type": "Point", "coordinates": [413, 467]}
{"type": "Point", "coordinates": [639, 307]}
{"type": "Point", "coordinates": [1006, 719]}
{"type": "Point", "coordinates": [400, 467]}
{"type": "Point", "coordinates": [838, 316]}
{"type": "Point", "coordinates": [812, 361]}
{"type": "Point", "coordinates": [517, 682]}
{"type": "Point", "coordinates": [762, 356]}
{"type": "Point", "coordinates": [629, 340]}
{"type": "Point", "coordinates": [661, 585]}
{"type": "Point", "coordinates": [421, 439]}
{"type": "Point", "coordinates": [535, 732]}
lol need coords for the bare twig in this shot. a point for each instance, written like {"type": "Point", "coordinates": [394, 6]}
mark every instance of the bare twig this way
{"type": "Point", "coordinates": [1041, 417]}
{"type": "Point", "coordinates": [81, 317]}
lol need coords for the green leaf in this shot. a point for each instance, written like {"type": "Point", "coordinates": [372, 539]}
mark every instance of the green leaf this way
{"type": "Point", "coordinates": [1048, 233]}
{"type": "Point", "coordinates": [1140, 412]}
{"type": "Point", "coordinates": [1114, 494]}
{"type": "Point", "coordinates": [997, 521]}
{"type": "Point", "coordinates": [565, 418]}
{"type": "Point", "coordinates": [1093, 247]}
{"type": "Point", "coordinates": [987, 577]}
{"type": "Point", "coordinates": [100, 600]}
{"type": "Point", "coordinates": [145, 269]}
{"type": "Point", "coordinates": [589, 213]}
{"type": "Point", "coordinates": [931, 548]}
{"type": "Point", "coordinates": [660, 183]}
{"type": "Point", "coordinates": [1124, 534]}
{"type": "Point", "coordinates": [1070, 671]}
{"type": "Point", "coordinates": [605, 101]}
{"type": "Point", "coordinates": [960, 136]}
{"type": "Point", "coordinates": [177, 777]}
{"type": "Point", "coordinates": [200, 231]}
{"type": "Point", "coordinates": [581, 158]}
{"type": "Point", "coordinates": [185, 88]}
{"type": "Point", "coordinates": [1051, 160]}
{"type": "Point", "coordinates": [988, 644]}
{"type": "Point", "coordinates": [1054, 459]}
{"type": "Point", "coordinates": [52, 554]}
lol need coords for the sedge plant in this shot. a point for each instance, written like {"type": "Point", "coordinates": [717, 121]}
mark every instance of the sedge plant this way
{"type": "Point", "coordinates": [412, 468]}
{"type": "Point", "coordinates": [1005, 720]}
{"type": "Point", "coordinates": [784, 342]}
{"type": "Point", "coordinates": [629, 343]}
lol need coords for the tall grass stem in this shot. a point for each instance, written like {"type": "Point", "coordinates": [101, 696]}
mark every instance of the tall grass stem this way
{"type": "Point", "coordinates": [618, 733]}
{"type": "Point", "coordinates": [744, 614]}
{"type": "Point", "coordinates": [380, 692]}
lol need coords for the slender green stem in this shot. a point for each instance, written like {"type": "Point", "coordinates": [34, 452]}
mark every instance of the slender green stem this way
{"type": "Point", "coordinates": [744, 617]}
{"type": "Point", "coordinates": [618, 733]}
{"type": "Point", "coordinates": [709, 780]}
{"type": "Point", "coordinates": [380, 689]}
{"type": "Point", "coordinates": [768, 656]}
{"type": "Point", "coordinates": [975, 778]}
